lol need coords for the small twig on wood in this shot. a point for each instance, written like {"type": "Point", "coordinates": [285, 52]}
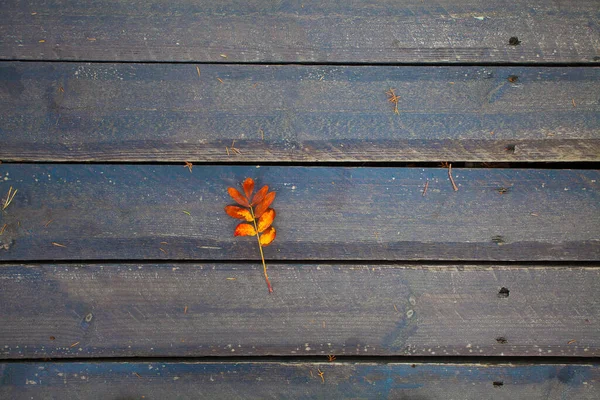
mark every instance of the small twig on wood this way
{"type": "Point", "coordinates": [3, 228]}
{"type": "Point", "coordinates": [48, 223]}
{"type": "Point", "coordinates": [262, 134]}
{"type": "Point", "coordinates": [9, 198]}
{"type": "Point", "coordinates": [185, 310]}
{"type": "Point", "coordinates": [322, 375]}
{"type": "Point", "coordinates": [425, 188]}
{"type": "Point", "coordinates": [186, 212]}
{"type": "Point", "coordinates": [451, 178]}
{"type": "Point", "coordinates": [220, 80]}
{"type": "Point", "coordinates": [330, 358]}
{"type": "Point", "coordinates": [163, 250]}
{"type": "Point", "coordinates": [188, 165]}
{"type": "Point", "coordinates": [58, 244]}
{"type": "Point", "coordinates": [396, 308]}
{"type": "Point", "coordinates": [573, 102]}
{"type": "Point", "coordinates": [74, 344]}
{"type": "Point", "coordinates": [138, 375]}
{"type": "Point", "coordinates": [572, 341]}
{"type": "Point", "coordinates": [392, 98]}
{"type": "Point", "coordinates": [198, 70]}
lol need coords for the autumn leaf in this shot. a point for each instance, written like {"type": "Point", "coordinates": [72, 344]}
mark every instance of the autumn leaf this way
{"type": "Point", "coordinates": [244, 230]}
{"type": "Point", "coordinates": [248, 186]}
{"type": "Point", "coordinates": [267, 237]}
{"type": "Point", "coordinates": [264, 204]}
{"type": "Point", "coordinates": [255, 210]}
{"type": "Point", "coordinates": [266, 219]}
{"type": "Point", "coordinates": [260, 195]}
{"type": "Point", "coordinates": [239, 213]}
{"type": "Point", "coordinates": [238, 197]}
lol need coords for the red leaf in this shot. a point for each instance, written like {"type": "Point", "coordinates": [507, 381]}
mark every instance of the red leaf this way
{"type": "Point", "coordinates": [248, 186]}
{"type": "Point", "coordinates": [239, 213]}
{"type": "Point", "coordinates": [264, 204]}
{"type": "Point", "coordinates": [260, 195]}
{"type": "Point", "coordinates": [267, 237]}
{"type": "Point", "coordinates": [266, 219]}
{"type": "Point", "coordinates": [244, 230]}
{"type": "Point", "coordinates": [238, 197]}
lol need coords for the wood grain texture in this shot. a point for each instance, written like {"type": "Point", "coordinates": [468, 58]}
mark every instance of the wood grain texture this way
{"type": "Point", "coordinates": [383, 31]}
{"type": "Point", "coordinates": [273, 380]}
{"type": "Point", "coordinates": [156, 310]}
{"type": "Point", "coordinates": [123, 212]}
{"type": "Point", "coordinates": [154, 112]}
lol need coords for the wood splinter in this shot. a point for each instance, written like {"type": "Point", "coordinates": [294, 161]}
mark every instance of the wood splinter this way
{"type": "Point", "coordinates": [9, 198]}
{"type": "Point", "coordinates": [451, 178]}
{"type": "Point", "coordinates": [233, 149]}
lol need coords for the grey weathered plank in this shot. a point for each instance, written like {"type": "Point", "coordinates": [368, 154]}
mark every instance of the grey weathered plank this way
{"type": "Point", "coordinates": [380, 31]}
{"type": "Point", "coordinates": [64, 310]}
{"type": "Point", "coordinates": [126, 211]}
{"type": "Point", "coordinates": [298, 380]}
{"type": "Point", "coordinates": [127, 112]}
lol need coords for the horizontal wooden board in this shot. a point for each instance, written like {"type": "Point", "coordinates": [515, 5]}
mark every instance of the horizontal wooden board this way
{"type": "Point", "coordinates": [382, 31]}
{"type": "Point", "coordinates": [104, 212]}
{"type": "Point", "coordinates": [123, 310]}
{"type": "Point", "coordinates": [298, 380]}
{"type": "Point", "coordinates": [156, 112]}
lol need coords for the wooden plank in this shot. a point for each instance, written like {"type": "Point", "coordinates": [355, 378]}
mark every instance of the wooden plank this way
{"type": "Point", "coordinates": [123, 310]}
{"type": "Point", "coordinates": [383, 31]}
{"type": "Point", "coordinates": [121, 212]}
{"type": "Point", "coordinates": [154, 112]}
{"type": "Point", "coordinates": [298, 380]}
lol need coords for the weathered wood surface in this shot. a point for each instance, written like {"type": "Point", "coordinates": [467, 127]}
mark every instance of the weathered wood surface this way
{"type": "Point", "coordinates": [155, 112]}
{"type": "Point", "coordinates": [123, 310]}
{"type": "Point", "coordinates": [275, 380]}
{"type": "Point", "coordinates": [383, 31]}
{"type": "Point", "coordinates": [120, 212]}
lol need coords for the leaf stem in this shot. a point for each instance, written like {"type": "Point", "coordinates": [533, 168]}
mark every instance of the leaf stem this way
{"type": "Point", "coordinates": [262, 256]}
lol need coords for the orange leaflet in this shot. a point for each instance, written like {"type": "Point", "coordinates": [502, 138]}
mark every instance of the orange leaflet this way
{"type": "Point", "coordinates": [266, 219]}
{"type": "Point", "coordinates": [248, 186]}
{"type": "Point", "coordinates": [237, 196]}
{"type": "Point", "coordinates": [257, 212]}
{"type": "Point", "coordinates": [239, 213]}
{"type": "Point", "coordinates": [244, 230]}
{"type": "Point", "coordinates": [260, 195]}
{"type": "Point", "coordinates": [263, 205]}
{"type": "Point", "coordinates": [267, 237]}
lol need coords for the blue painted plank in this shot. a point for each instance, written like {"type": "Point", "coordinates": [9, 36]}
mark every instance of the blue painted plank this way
{"type": "Point", "coordinates": [123, 212]}
{"type": "Point", "coordinates": [154, 112]}
{"type": "Point", "coordinates": [263, 380]}
{"type": "Point", "coordinates": [382, 31]}
{"type": "Point", "coordinates": [190, 310]}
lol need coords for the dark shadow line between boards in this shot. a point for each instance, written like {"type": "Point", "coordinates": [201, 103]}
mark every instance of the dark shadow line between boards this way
{"type": "Point", "coordinates": [316, 263]}
{"type": "Point", "coordinates": [547, 64]}
{"type": "Point", "coordinates": [416, 360]}
{"type": "Point", "coordinates": [552, 165]}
